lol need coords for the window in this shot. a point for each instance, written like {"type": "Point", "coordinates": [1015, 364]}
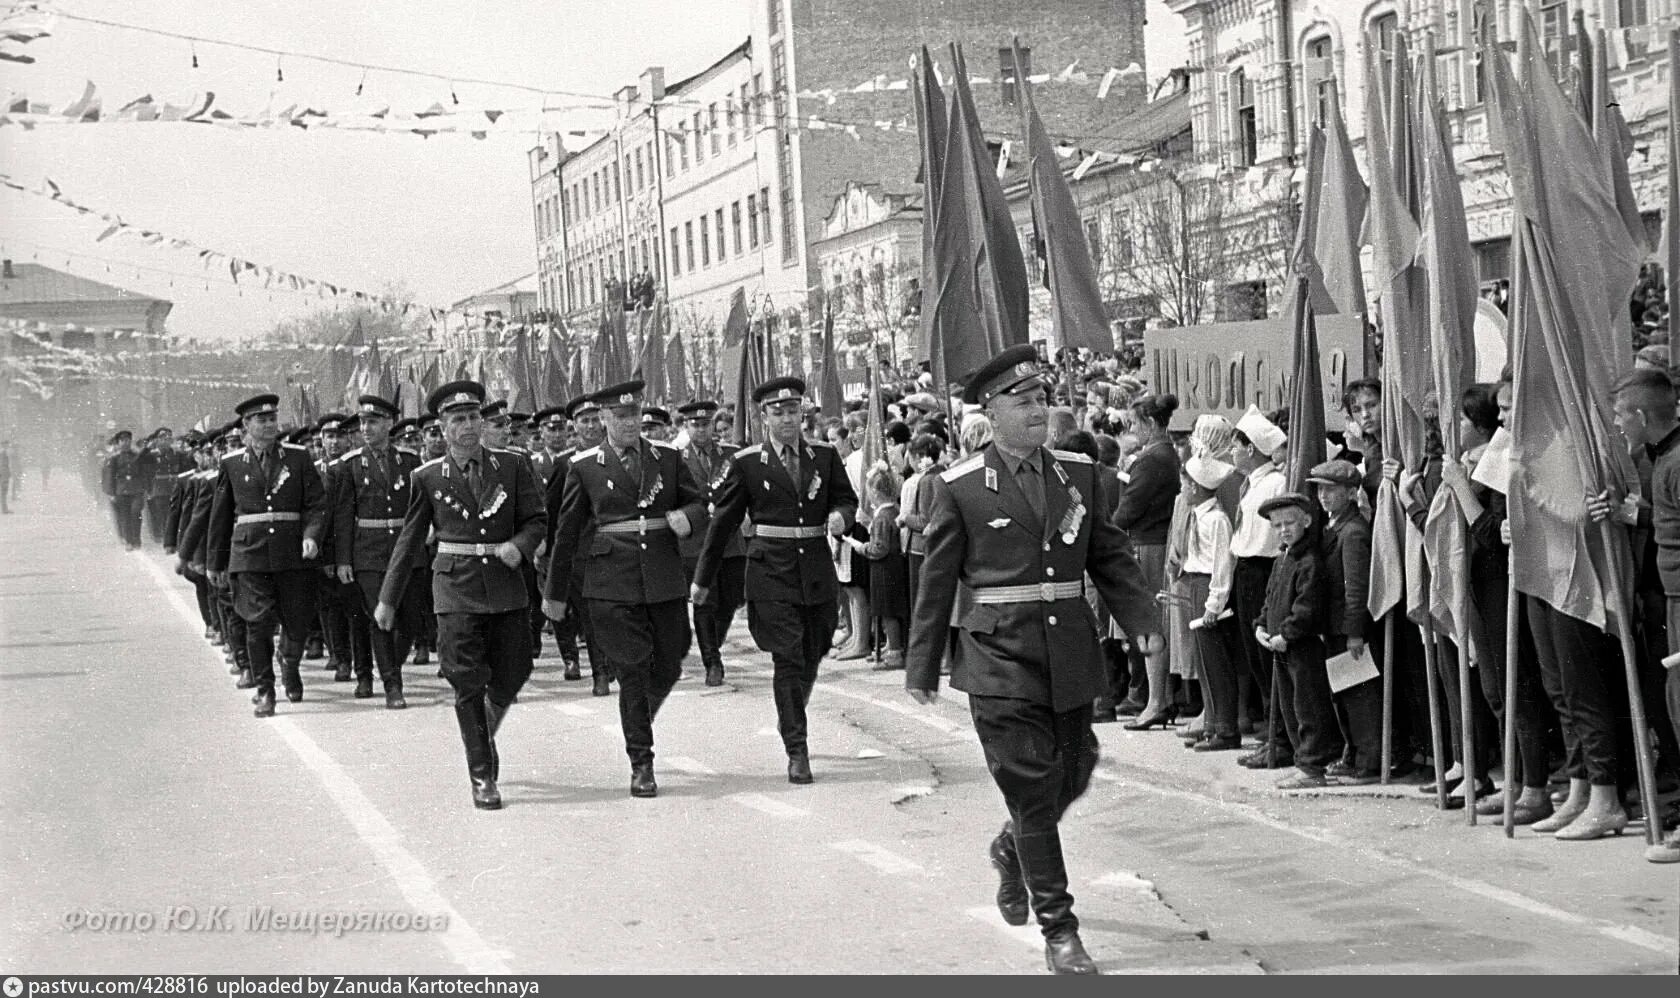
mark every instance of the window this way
{"type": "Point", "coordinates": [746, 114]}
{"type": "Point", "coordinates": [774, 12]}
{"type": "Point", "coordinates": [1478, 73]}
{"type": "Point", "coordinates": [712, 127]}
{"type": "Point", "coordinates": [652, 164]}
{"type": "Point", "coordinates": [682, 145]}
{"type": "Point", "coordinates": [758, 98]}
{"type": "Point", "coordinates": [705, 240]}
{"type": "Point", "coordinates": [778, 80]}
{"type": "Point", "coordinates": [735, 224]}
{"type": "Point", "coordinates": [639, 179]}
{"type": "Point", "coordinates": [688, 241]}
{"type": "Point", "coordinates": [729, 119]}
{"type": "Point", "coordinates": [1634, 14]}
{"type": "Point", "coordinates": [670, 156]}
{"type": "Point", "coordinates": [676, 261]}
{"type": "Point", "coordinates": [764, 207]}
{"type": "Point", "coordinates": [1093, 239]}
{"type": "Point", "coordinates": [1006, 72]}
{"type": "Point", "coordinates": [1384, 29]}
{"type": "Point", "coordinates": [617, 192]}
{"type": "Point", "coordinates": [752, 221]}
{"type": "Point", "coordinates": [590, 287]}
{"type": "Point", "coordinates": [1319, 77]}
{"type": "Point", "coordinates": [717, 227]}
{"type": "Point", "coordinates": [1245, 125]}
{"type": "Point", "coordinates": [699, 146]}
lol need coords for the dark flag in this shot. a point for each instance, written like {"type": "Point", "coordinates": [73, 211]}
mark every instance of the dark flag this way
{"type": "Point", "coordinates": [829, 392]}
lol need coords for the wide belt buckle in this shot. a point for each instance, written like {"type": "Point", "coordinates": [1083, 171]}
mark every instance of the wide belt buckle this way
{"type": "Point", "coordinates": [1047, 592]}
{"type": "Point", "coordinates": [641, 526]}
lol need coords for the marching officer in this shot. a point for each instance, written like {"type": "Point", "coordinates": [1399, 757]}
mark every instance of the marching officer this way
{"type": "Point", "coordinates": [1021, 526]}
{"type": "Point", "coordinates": [405, 435]}
{"type": "Point", "coordinates": [191, 551]}
{"type": "Point", "coordinates": [347, 651]}
{"type": "Point", "coordinates": [370, 497]}
{"type": "Point", "coordinates": [121, 476]}
{"type": "Point", "coordinates": [484, 505]}
{"type": "Point", "coordinates": [266, 523]}
{"type": "Point", "coordinates": [708, 462]}
{"type": "Point", "coordinates": [432, 447]}
{"type": "Point", "coordinates": [182, 495]}
{"type": "Point", "coordinates": [624, 506]}
{"type": "Point", "coordinates": [797, 492]}
{"type": "Point", "coordinates": [547, 461]}
{"type": "Point", "coordinates": [656, 424]}
{"type": "Point", "coordinates": [585, 414]}
{"type": "Point", "coordinates": [158, 465]}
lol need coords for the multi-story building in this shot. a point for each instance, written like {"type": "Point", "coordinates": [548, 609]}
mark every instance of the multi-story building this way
{"type": "Point", "coordinates": [1265, 70]}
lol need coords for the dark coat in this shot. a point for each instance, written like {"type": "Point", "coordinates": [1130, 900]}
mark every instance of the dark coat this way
{"type": "Point", "coordinates": [780, 569]}
{"type": "Point", "coordinates": [637, 568]}
{"type": "Point", "coordinates": [293, 486]}
{"type": "Point", "coordinates": [1144, 507]}
{"type": "Point", "coordinates": [1295, 593]}
{"type": "Point", "coordinates": [982, 533]}
{"type": "Point", "coordinates": [366, 488]}
{"type": "Point", "coordinates": [508, 507]}
{"type": "Point", "coordinates": [1347, 574]}
{"type": "Point", "coordinates": [709, 468]}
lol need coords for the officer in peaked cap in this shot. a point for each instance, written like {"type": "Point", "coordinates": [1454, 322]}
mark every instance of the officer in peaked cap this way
{"type": "Point", "coordinates": [498, 424]}
{"type": "Point", "coordinates": [585, 414]}
{"type": "Point", "coordinates": [405, 434]}
{"type": "Point", "coordinates": [1021, 526]}
{"type": "Point", "coordinates": [370, 486]}
{"type": "Point", "coordinates": [656, 423]}
{"type": "Point", "coordinates": [487, 513]}
{"type": "Point", "coordinates": [551, 424]}
{"type": "Point", "coordinates": [157, 466]}
{"type": "Point", "coordinates": [124, 482]}
{"type": "Point", "coordinates": [267, 521]}
{"type": "Point", "coordinates": [624, 506]}
{"type": "Point", "coordinates": [343, 627]}
{"type": "Point", "coordinates": [547, 460]}
{"type": "Point", "coordinates": [798, 494]}
{"type": "Point", "coordinates": [708, 461]}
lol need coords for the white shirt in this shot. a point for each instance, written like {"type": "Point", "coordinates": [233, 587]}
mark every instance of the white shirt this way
{"type": "Point", "coordinates": [1254, 537]}
{"type": "Point", "coordinates": [1208, 552]}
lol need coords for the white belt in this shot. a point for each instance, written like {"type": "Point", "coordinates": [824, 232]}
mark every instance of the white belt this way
{"type": "Point", "coordinates": [1044, 592]}
{"type": "Point", "coordinates": [379, 524]}
{"type": "Point", "coordinates": [473, 550]}
{"type": "Point", "coordinates": [640, 525]}
{"type": "Point", "coordinates": [268, 518]}
{"type": "Point", "coordinates": [789, 533]}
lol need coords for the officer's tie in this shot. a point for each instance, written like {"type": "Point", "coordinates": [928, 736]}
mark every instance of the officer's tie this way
{"type": "Point", "coordinates": [474, 482]}
{"type": "Point", "coordinates": [1028, 477]}
{"type": "Point", "coordinates": [790, 461]}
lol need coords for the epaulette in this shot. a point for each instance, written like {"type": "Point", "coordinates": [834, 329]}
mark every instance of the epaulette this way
{"type": "Point", "coordinates": [236, 452]}
{"type": "Point", "coordinates": [665, 444]}
{"type": "Point", "coordinates": [1071, 455]}
{"type": "Point", "coordinates": [582, 454]}
{"type": "Point", "coordinates": [432, 463]}
{"type": "Point", "coordinates": [187, 474]}
{"type": "Point", "coordinates": [971, 463]}
{"type": "Point", "coordinates": [295, 447]}
{"type": "Point", "coordinates": [749, 451]}
{"type": "Point", "coordinates": [819, 445]}
{"type": "Point", "coordinates": [352, 453]}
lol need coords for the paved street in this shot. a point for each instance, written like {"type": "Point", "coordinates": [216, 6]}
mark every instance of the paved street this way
{"type": "Point", "coordinates": [135, 780]}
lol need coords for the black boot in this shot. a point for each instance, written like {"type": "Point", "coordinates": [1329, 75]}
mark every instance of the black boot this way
{"type": "Point", "coordinates": [603, 684]}
{"type": "Point", "coordinates": [799, 766]}
{"type": "Point", "coordinates": [1012, 890]}
{"type": "Point", "coordinates": [265, 703]}
{"type": "Point", "coordinates": [422, 652]}
{"type": "Point", "coordinates": [494, 712]}
{"type": "Point", "coordinates": [291, 680]}
{"type": "Point", "coordinates": [475, 738]}
{"type": "Point", "coordinates": [246, 680]}
{"type": "Point", "coordinates": [572, 669]}
{"type": "Point", "coordinates": [1046, 877]}
{"type": "Point", "coordinates": [394, 696]}
{"type": "Point", "coordinates": [641, 780]}
{"type": "Point", "coordinates": [364, 687]}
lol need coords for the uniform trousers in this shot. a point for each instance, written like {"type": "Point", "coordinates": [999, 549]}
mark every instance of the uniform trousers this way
{"type": "Point", "coordinates": [270, 600]}
{"type": "Point", "coordinates": [797, 636]}
{"type": "Point", "coordinates": [566, 631]}
{"type": "Point", "coordinates": [125, 511]}
{"type": "Point", "coordinates": [1303, 691]}
{"type": "Point", "coordinates": [645, 644]}
{"type": "Point", "coordinates": [713, 618]}
{"type": "Point", "coordinates": [336, 608]}
{"type": "Point", "coordinates": [1040, 758]}
{"type": "Point", "coordinates": [201, 591]}
{"type": "Point", "coordinates": [390, 648]}
{"type": "Point", "coordinates": [485, 654]}
{"type": "Point", "coordinates": [157, 515]}
{"type": "Point", "coordinates": [577, 608]}
{"type": "Point", "coordinates": [427, 637]}
{"type": "Point", "coordinates": [1359, 712]}
{"type": "Point", "coordinates": [234, 634]}
{"type": "Point", "coordinates": [533, 593]}
{"type": "Point", "coordinates": [1574, 656]}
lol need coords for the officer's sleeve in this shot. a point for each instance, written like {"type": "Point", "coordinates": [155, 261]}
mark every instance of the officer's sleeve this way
{"type": "Point", "coordinates": [552, 495]}
{"type": "Point", "coordinates": [341, 500]}
{"type": "Point", "coordinates": [691, 500]}
{"type": "Point", "coordinates": [841, 498]}
{"type": "Point", "coordinates": [530, 516]}
{"type": "Point", "coordinates": [944, 551]}
{"type": "Point", "coordinates": [417, 520]}
{"type": "Point", "coordinates": [575, 511]}
{"type": "Point", "coordinates": [197, 524]}
{"type": "Point", "coordinates": [1119, 580]}
{"type": "Point", "coordinates": [108, 476]}
{"type": "Point", "coordinates": [172, 525]}
{"type": "Point", "coordinates": [315, 511]}
{"type": "Point", "coordinates": [220, 540]}
{"type": "Point", "coordinates": [730, 509]}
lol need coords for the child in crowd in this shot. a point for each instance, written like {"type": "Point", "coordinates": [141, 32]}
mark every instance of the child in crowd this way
{"type": "Point", "coordinates": [888, 574]}
{"type": "Point", "coordinates": [1289, 629]}
{"type": "Point", "coordinates": [1206, 573]}
{"type": "Point", "coordinates": [1347, 572]}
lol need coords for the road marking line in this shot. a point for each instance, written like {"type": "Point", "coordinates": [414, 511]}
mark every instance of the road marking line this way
{"type": "Point", "coordinates": [574, 710]}
{"type": "Point", "coordinates": [612, 729]}
{"type": "Point", "coordinates": [880, 858]}
{"type": "Point", "coordinates": [693, 767]}
{"type": "Point", "coordinates": [1028, 934]}
{"type": "Point", "coordinates": [769, 805]}
{"type": "Point", "coordinates": [1632, 935]}
{"type": "Point", "coordinates": [464, 943]}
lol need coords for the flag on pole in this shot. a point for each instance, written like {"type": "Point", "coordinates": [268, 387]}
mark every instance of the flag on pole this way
{"type": "Point", "coordinates": [1576, 266]}
{"type": "Point", "coordinates": [932, 126]}
{"type": "Point", "coordinates": [1339, 197]}
{"type": "Point", "coordinates": [829, 392]}
{"type": "Point", "coordinates": [874, 440]}
{"type": "Point", "coordinates": [1671, 213]}
{"type": "Point", "coordinates": [676, 370]}
{"type": "Point", "coordinates": [651, 363]}
{"type": "Point", "coordinates": [1077, 312]}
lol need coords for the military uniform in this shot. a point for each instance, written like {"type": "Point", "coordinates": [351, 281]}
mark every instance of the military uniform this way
{"type": "Point", "coordinates": [183, 496]}
{"type": "Point", "coordinates": [577, 623]}
{"type": "Point", "coordinates": [790, 584]}
{"type": "Point", "coordinates": [343, 625]}
{"type": "Point", "coordinates": [712, 619]}
{"type": "Point", "coordinates": [1022, 535]}
{"type": "Point", "coordinates": [547, 464]}
{"type": "Point", "coordinates": [483, 628]}
{"type": "Point", "coordinates": [369, 494]}
{"type": "Point", "coordinates": [259, 519]}
{"type": "Point", "coordinates": [192, 548]}
{"type": "Point", "coordinates": [159, 464]}
{"type": "Point", "coordinates": [125, 484]}
{"type": "Point", "coordinates": [617, 521]}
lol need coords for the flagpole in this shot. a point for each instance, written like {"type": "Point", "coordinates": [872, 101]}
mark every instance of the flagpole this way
{"type": "Point", "coordinates": [1512, 765]}
{"type": "Point", "coordinates": [1388, 698]}
{"type": "Point", "coordinates": [1636, 703]}
{"type": "Point", "coordinates": [1432, 681]}
{"type": "Point", "coordinates": [1467, 720]}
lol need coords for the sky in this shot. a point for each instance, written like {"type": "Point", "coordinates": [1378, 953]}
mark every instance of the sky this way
{"type": "Point", "coordinates": [438, 219]}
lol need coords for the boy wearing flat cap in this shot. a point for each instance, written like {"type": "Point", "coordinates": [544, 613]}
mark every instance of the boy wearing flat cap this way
{"type": "Point", "coordinates": [1289, 629]}
{"type": "Point", "coordinates": [1348, 624]}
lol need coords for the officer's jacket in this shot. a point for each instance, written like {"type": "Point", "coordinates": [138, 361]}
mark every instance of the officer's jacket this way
{"type": "Point", "coordinates": [191, 545]}
{"type": "Point", "coordinates": [1042, 647]}
{"type": "Point", "coordinates": [508, 507]}
{"type": "Point", "coordinates": [780, 569]}
{"type": "Point", "coordinates": [643, 567]}
{"type": "Point", "coordinates": [122, 475]}
{"type": "Point", "coordinates": [709, 469]}
{"type": "Point", "coordinates": [159, 468]}
{"type": "Point", "coordinates": [547, 465]}
{"type": "Point", "coordinates": [292, 489]}
{"type": "Point", "coordinates": [181, 495]}
{"type": "Point", "coordinates": [369, 497]}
